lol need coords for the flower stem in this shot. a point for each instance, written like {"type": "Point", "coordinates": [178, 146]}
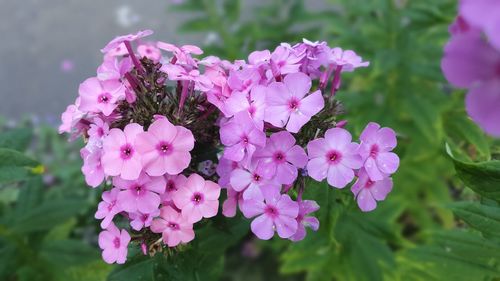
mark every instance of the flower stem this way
{"type": "Point", "coordinates": [135, 61]}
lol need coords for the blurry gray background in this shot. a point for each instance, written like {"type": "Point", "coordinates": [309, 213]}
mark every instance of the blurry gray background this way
{"type": "Point", "coordinates": [48, 47]}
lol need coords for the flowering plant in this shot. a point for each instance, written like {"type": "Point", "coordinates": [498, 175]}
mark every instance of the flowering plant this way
{"type": "Point", "coordinates": [167, 133]}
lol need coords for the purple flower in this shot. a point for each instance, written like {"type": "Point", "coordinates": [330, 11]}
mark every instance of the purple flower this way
{"type": "Point", "coordinates": [224, 170]}
{"type": "Point", "coordinates": [375, 148]}
{"type": "Point", "coordinates": [254, 103]}
{"type": "Point", "coordinates": [139, 220]}
{"type": "Point", "coordinates": [368, 192]}
{"type": "Point", "coordinates": [241, 137]}
{"type": "Point", "coordinates": [100, 97]}
{"type": "Point", "coordinates": [303, 220]}
{"type": "Point", "coordinates": [234, 199]}
{"type": "Point", "coordinates": [113, 44]}
{"type": "Point", "coordinates": [276, 212]}
{"type": "Point", "coordinates": [483, 14]}
{"type": "Point", "coordinates": [242, 80]}
{"type": "Point", "coordinates": [114, 244]}
{"type": "Point", "coordinates": [108, 207]}
{"type": "Point", "coordinates": [250, 182]}
{"type": "Point", "coordinates": [175, 229]}
{"type": "Point", "coordinates": [288, 104]}
{"type": "Point", "coordinates": [333, 157]}
{"type": "Point", "coordinates": [347, 59]}
{"type": "Point", "coordinates": [280, 158]}
{"type": "Point", "coordinates": [284, 61]}
{"type": "Point", "coordinates": [140, 194]}
{"type": "Point", "coordinates": [92, 168]}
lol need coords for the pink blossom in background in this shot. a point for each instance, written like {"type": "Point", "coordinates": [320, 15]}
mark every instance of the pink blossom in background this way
{"type": "Point", "coordinates": [242, 137]}
{"type": "Point", "coordinates": [288, 104]}
{"type": "Point", "coordinates": [333, 157]}
{"type": "Point", "coordinates": [368, 192]}
{"type": "Point", "coordinates": [117, 41]}
{"type": "Point", "coordinates": [67, 65]}
{"type": "Point", "coordinates": [182, 55]}
{"type": "Point", "coordinates": [140, 220]}
{"type": "Point", "coordinates": [179, 73]}
{"type": "Point", "coordinates": [108, 207]}
{"type": "Point", "coordinates": [114, 244]}
{"type": "Point", "coordinates": [100, 97]}
{"type": "Point", "coordinates": [306, 207]}
{"type": "Point", "coordinates": [70, 117]}
{"type": "Point", "coordinates": [347, 59]}
{"type": "Point", "coordinates": [165, 148]}
{"type": "Point", "coordinates": [149, 51]}
{"type": "Point", "coordinates": [174, 228]}
{"type": "Point", "coordinates": [141, 194]}
{"type": "Point", "coordinates": [375, 148]}
{"type": "Point", "coordinates": [483, 14]}
{"type": "Point", "coordinates": [281, 158]}
{"type": "Point", "coordinates": [119, 50]}
{"type": "Point", "coordinates": [197, 198]}
{"type": "Point", "coordinates": [121, 157]}
{"type": "Point", "coordinates": [276, 212]}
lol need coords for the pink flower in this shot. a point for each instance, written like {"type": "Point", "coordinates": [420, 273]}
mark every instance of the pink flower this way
{"type": "Point", "coordinates": [70, 117]}
{"type": "Point", "coordinates": [140, 194]}
{"type": "Point", "coordinates": [484, 15]}
{"type": "Point", "coordinates": [182, 54]}
{"type": "Point", "coordinates": [114, 244]}
{"type": "Point", "coordinates": [113, 44]}
{"type": "Point", "coordinates": [224, 169]}
{"type": "Point", "coordinates": [375, 148]}
{"type": "Point", "coordinates": [97, 96]}
{"type": "Point", "coordinates": [197, 198]}
{"type": "Point", "coordinates": [118, 51]}
{"type": "Point", "coordinates": [250, 182]}
{"type": "Point", "coordinates": [98, 129]}
{"type": "Point", "coordinates": [139, 220]}
{"type": "Point", "coordinates": [368, 192]}
{"type": "Point", "coordinates": [234, 199]}
{"type": "Point", "coordinates": [174, 228]}
{"type": "Point", "coordinates": [113, 69]}
{"type": "Point", "coordinates": [483, 103]}
{"type": "Point", "coordinates": [287, 104]}
{"type": "Point", "coordinates": [333, 157]}
{"type": "Point", "coordinates": [283, 61]}
{"type": "Point", "coordinates": [179, 73]}
{"type": "Point", "coordinates": [241, 137]}
{"type": "Point", "coordinates": [173, 183]}
{"type": "Point", "coordinates": [165, 148]}
{"type": "Point", "coordinates": [277, 212]}
{"type": "Point", "coordinates": [242, 80]}
{"type": "Point", "coordinates": [281, 158]}
{"type": "Point", "coordinates": [92, 168]}
{"type": "Point", "coordinates": [108, 207]}
{"type": "Point", "coordinates": [120, 156]}
{"type": "Point", "coordinates": [254, 103]}
{"type": "Point", "coordinates": [150, 52]}
{"type": "Point", "coordinates": [347, 59]}
{"type": "Point", "coordinates": [303, 220]}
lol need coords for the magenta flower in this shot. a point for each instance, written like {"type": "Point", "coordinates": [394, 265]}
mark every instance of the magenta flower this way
{"type": "Point", "coordinates": [224, 170]}
{"type": "Point", "coordinates": [92, 168]}
{"type": "Point", "coordinates": [303, 220]}
{"type": "Point", "coordinates": [113, 69]}
{"type": "Point", "coordinates": [347, 59]}
{"type": "Point", "coordinates": [234, 199]}
{"type": "Point", "coordinates": [108, 207]}
{"type": "Point", "coordinates": [483, 14]}
{"type": "Point", "coordinates": [277, 212]}
{"type": "Point", "coordinates": [241, 137]}
{"type": "Point", "coordinates": [483, 103]}
{"type": "Point", "coordinates": [254, 103]}
{"type": "Point", "coordinates": [100, 97]}
{"type": "Point", "coordinates": [150, 52]}
{"type": "Point", "coordinates": [113, 44]}
{"type": "Point", "coordinates": [165, 148]}
{"type": "Point", "coordinates": [173, 183]}
{"type": "Point", "coordinates": [242, 80]}
{"type": "Point", "coordinates": [288, 104]}
{"type": "Point", "coordinates": [375, 148]}
{"type": "Point", "coordinates": [114, 244]}
{"type": "Point", "coordinates": [283, 61]}
{"type": "Point", "coordinates": [120, 156]}
{"type": "Point", "coordinates": [197, 198]}
{"type": "Point", "coordinates": [139, 220]}
{"type": "Point", "coordinates": [333, 157]}
{"type": "Point", "coordinates": [250, 182]}
{"type": "Point", "coordinates": [174, 228]}
{"type": "Point", "coordinates": [141, 194]}
{"type": "Point", "coordinates": [368, 192]}
{"type": "Point", "coordinates": [281, 158]}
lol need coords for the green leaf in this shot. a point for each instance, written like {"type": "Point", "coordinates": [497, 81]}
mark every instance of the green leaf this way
{"type": "Point", "coordinates": [481, 217]}
{"type": "Point", "coordinates": [65, 253]}
{"type": "Point", "coordinates": [141, 268]}
{"type": "Point", "coordinates": [483, 177]}
{"type": "Point", "coordinates": [16, 139]}
{"type": "Point", "coordinates": [14, 165]}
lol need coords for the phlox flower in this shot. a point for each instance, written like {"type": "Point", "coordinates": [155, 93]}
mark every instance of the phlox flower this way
{"type": "Point", "coordinates": [224, 169]}
{"type": "Point", "coordinates": [280, 158]}
{"type": "Point", "coordinates": [179, 73]}
{"type": "Point", "coordinates": [484, 15]}
{"type": "Point", "coordinates": [100, 97]}
{"type": "Point", "coordinates": [141, 194]}
{"type": "Point", "coordinates": [117, 41]}
{"type": "Point", "coordinates": [118, 51]}
{"type": "Point", "coordinates": [149, 51]}
{"type": "Point", "coordinates": [173, 183]}
{"type": "Point", "coordinates": [241, 137]}
{"type": "Point", "coordinates": [174, 228]}
{"type": "Point", "coordinates": [276, 212]}
{"type": "Point", "coordinates": [113, 69]}
{"type": "Point", "coordinates": [368, 192]}
{"type": "Point", "coordinates": [348, 59]}
{"type": "Point", "coordinates": [165, 148]}
{"type": "Point", "coordinates": [234, 199]}
{"type": "Point", "coordinates": [249, 181]}
{"type": "Point", "coordinates": [108, 207]}
{"type": "Point", "coordinates": [70, 117]}
{"type": "Point", "coordinates": [242, 80]}
{"type": "Point", "coordinates": [284, 61]}
{"type": "Point", "coordinates": [333, 157]}
{"type": "Point", "coordinates": [303, 220]}
{"type": "Point", "coordinates": [114, 244]}
{"type": "Point", "coordinates": [253, 102]}
{"type": "Point", "coordinates": [121, 157]}
{"type": "Point", "coordinates": [288, 105]}
{"type": "Point", "coordinates": [182, 54]}
{"type": "Point", "coordinates": [197, 198]}
{"type": "Point", "coordinates": [92, 168]}
{"type": "Point", "coordinates": [375, 148]}
{"type": "Point", "coordinates": [139, 220]}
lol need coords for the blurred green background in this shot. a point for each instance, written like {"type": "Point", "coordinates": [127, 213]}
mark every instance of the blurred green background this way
{"type": "Point", "coordinates": [431, 227]}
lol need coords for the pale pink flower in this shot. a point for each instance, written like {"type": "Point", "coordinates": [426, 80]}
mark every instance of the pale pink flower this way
{"type": "Point", "coordinates": [284, 61]}
{"type": "Point", "coordinates": [149, 51]}
{"type": "Point", "coordinates": [288, 105]}
{"type": "Point", "coordinates": [241, 137]}
{"type": "Point", "coordinates": [180, 73]}
{"type": "Point", "coordinates": [251, 182]}
{"type": "Point", "coordinates": [121, 157]}
{"type": "Point", "coordinates": [113, 69]}
{"type": "Point", "coordinates": [108, 207]}
{"type": "Point", "coordinates": [70, 117]}
{"type": "Point", "coordinates": [242, 80]}
{"type": "Point", "coordinates": [100, 97]}
{"type": "Point", "coordinates": [197, 198]}
{"type": "Point", "coordinates": [117, 41]}
{"type": "Point", "coordinates": [348, 59]}
{"type": "Point", "coordinates": [224, 169]}
{"type": "Point", "coordinates": [333, 157]}
{"type": "Point", "coordinates": [114, 244]}
{"type": "Point", "coordinates": [165, 148]}
{"type": "Point", "coordinates": [234, 199]}
{"type": "Point", "coordinates": [118, 51]}
{"type": "Point", "coordinates": [141, 194]}
{"type": "Point", "coordinates": [253, 102]}
{"type": "Point", "coordinates": [92, 168]}
{"type": "Point", "coordinates": [174, 228]}
{"type": "Point", "coordinates": [182, 55]}
{"type": "Point", "coordinates": [368, 192]}
{"type": "Point", "coordinates": [173, 183]}
{"type": "Point", "coordinates": [303, 220]}
{"type": "Point", "coordinates": [140, 220]}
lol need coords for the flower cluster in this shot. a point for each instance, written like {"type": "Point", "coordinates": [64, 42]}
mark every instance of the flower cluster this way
{"type": "Point", "coordinates": [139, 116]}
{"type": "Point", "coordinates": [275, 107]}
{"type": "Point", "coordinates": [156, 117]}
{"type": "Point", "coordinates": [472, 60]}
